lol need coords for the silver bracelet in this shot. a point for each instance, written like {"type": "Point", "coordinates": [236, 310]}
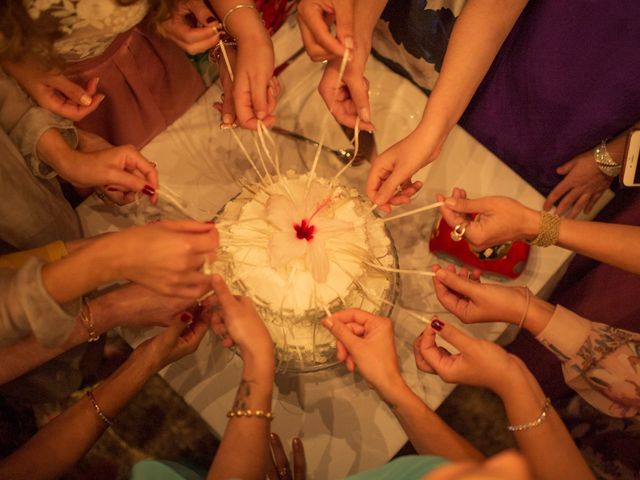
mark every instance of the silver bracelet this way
{"type": "Point", "coordinates": [98, 410]}
{"type": "Point", "coordinates": [538, 421]}
{"type": "Point", "coordinates": [605, 163]}
{"type": "Point", "coordinates": [233, 9]}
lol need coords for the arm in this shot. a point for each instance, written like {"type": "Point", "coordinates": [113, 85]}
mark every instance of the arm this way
{"type": "Point", "coordinates": [79, 427]}
{"type": "Point", "coordinates": [548, 447]}
{"type": "Point", "coordinates": [244, 449]}
{"type": "Point", "coordinates": [366, 341]}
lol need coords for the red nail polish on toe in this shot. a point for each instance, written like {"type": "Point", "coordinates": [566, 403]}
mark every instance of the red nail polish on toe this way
{"type": "Point", "coordinates": [437, 325]}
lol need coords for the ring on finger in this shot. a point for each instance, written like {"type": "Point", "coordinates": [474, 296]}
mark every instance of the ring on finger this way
{"type": "Point", "coordinates": [100, 195]}
{"type": "Point", "coordinates": [458, 232]}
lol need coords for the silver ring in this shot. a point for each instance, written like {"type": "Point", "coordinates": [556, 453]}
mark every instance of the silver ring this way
{"type": "Point", "coordinates": [458, 232]}
{"type": "Point", "coordinates": [283, 472]}
{"type": "Point", "coordinates": [100, 195]}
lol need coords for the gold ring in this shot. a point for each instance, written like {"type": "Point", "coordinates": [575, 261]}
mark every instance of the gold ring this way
{"type": "Point", "coordinates": [458, 232]}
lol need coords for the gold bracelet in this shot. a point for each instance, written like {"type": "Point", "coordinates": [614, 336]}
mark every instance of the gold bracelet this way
{"type": "Point", "coordinates": [250, 413]}
{"type": "Point", "coordinates": [87, 320]}
{"type": "Point", "coordinates": [549, 230]}
{"type": "Point", "coordinates": [233, 9]}
{"type": "Point", "coordinates": [605, 163]}
{"type": "Point", "coordinates": [538, 421]}
{"type": "Point", "coordinates": [98, 410]}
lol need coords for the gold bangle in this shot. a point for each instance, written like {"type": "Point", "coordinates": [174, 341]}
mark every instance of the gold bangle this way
{"type": "Point", "coordinates": [98, 410]}
{"type": "Point", "coordinates": [234, 9]}
{"type": "Point", "coordinates": [549, 230]}
{"type": "Point", "coordinates": [87, 320]}
{"type": "Point", "coordinates": [250, 413]}
{"type": "Point", "coordinates": [538, 421]}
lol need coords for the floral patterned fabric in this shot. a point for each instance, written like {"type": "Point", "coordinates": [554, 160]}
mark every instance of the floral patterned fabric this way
{"type": "Point", "coordinates": [600, 362]}
{"type": "Point", "coordinates": [88, 26]}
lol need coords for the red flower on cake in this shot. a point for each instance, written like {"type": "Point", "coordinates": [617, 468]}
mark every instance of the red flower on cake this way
{"type": "Point", "coordinates": [304, 223]}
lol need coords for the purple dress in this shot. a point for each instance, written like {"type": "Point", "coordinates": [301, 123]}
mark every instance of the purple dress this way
{"type": "Point", "coordinates": [566, 78]}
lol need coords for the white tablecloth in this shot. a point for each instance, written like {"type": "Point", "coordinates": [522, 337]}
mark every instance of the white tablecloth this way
{"type": "Point", "coordinates": [345, 427]}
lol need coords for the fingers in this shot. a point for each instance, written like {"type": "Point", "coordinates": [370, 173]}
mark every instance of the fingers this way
{"type": "Point", "coordinates": [580, 205]}
{"type": "Point", "coordinates": [451, 334]}
{"type": "Point", "coordinates": [354, 315]}
{"type": "Point", "coordinates": [280, 460]}
{"type": "Point", "coordinates": [186, 226]}
{"type": "Point", "coordinates": [71, 90]}
{"type": "Point", "coordinates": [466, 205]}
{"type": "Point", "coordinates": [68, 109]}
{"type": "Point", "coordinates": [568, 200]}
{"type": "Point", "coordinates": [464, 286]}
{"type": "Point", "coordinates": [318, 34]}
{"type": "Point", "coordinates": [226, 298]}
{"type": "Point", "coordinates": [342, 332]}
{"type": "Point", "coordinates": [299, 459]}
{"type": "Point", "coordinates": [559, 190]}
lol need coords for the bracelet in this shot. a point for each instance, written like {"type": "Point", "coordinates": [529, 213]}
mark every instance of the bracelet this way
{"type": "Point", "coordinates": [549, 230]}
{"type": "Point", "coordinates": [526, 308]}
{"type": "Point", "coordinates": [538, 421]}
{"type": "Point", "coordinates": [250, 413]}
{"type": "Point", "coordinates": [98, 410]}
{"type": "Point", "coordinates": [234, 9]}
{"type": "Point", "coordinates": [605, 163]}
{"type": "Point", "coordinates": [87, 320]}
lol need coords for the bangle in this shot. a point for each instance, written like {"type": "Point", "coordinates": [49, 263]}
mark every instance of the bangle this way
{"type": "Point", "coordinates": [98, 410]}
{"type": "Point", "coordinates": [605, 163]}
{"type": "Point", "coordinates": [549, 230]}
{"type": "Point", "coordinates": [526, 308]}
{"type": "Point", "coordinates": [234, 9]}
{"type": "Point", "coordinates": [87, 320]}
{"type": "Point", "coordinates": [538, 421]}
{"type": "Point", "coordinates": [250, 413]}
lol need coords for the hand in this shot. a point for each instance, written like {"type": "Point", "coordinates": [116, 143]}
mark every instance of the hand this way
{"type": "Point", "coordinates": [192, 26]}
{"type": "Point", "coordinates": [278, 468]}
{"type": "Point", "coordinates": [366, 341]}
{"type": "Point", "coordinates": [240, 322]}
{"type": "Point", "coordinates": [255, 91]}
{"type": "Point", "coordinates": [181, 338]}
{"type": "Point", "coordinates": [52, 90]}
{"type": "Point", "coordinates": [315, 18]}
{"type": "Point", "coordinates": [580, 189]}
{"type": "Point", "coordinates": [165, 256]}
{"type": "Point", "coordinates": [473, 302]}
{"type": "Point", "coordinates": [499, 219]}
{"type": "Point", "coordinates": [389, 182]}
{"type": "Point", "coordinates": [479, 363]}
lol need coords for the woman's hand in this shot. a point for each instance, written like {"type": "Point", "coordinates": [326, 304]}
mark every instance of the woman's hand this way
{"type": "Point", "coordinates": [389, 182]}
{"type": "Point", "coordinates": [165, 256]}
{"type": "Point", "coordinates": [192, 26]}
{"type": "Point", "coordinates": [279, 468]}
{"type": "Point", "coordinates": [52, 90]}
{"type": "Point", "coordinates": [181, 337]}
{"type": "Point", "coordinates": [479, 363]}
{"type": "Point", "coordinates": [498, 220]}
{"type": "Point", "coordinates": [365, 341]}
{"type": "Point", "coordinates": [580, 189]}
{"type": "Point", "coordinates": [315, 18]}
{"type": "Point", "coordinates": [238, 323]}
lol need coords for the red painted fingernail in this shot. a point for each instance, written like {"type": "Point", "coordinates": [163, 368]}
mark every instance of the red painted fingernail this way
{"type": "Point", "coordinates": [437, 325]}
{"type": "Point", "coordinates": [149, 190]}
{"type": "Point", "coordinates": [186, 317]}
{"type": "Point", "coordinates": [210, 20]}
{"type": "Point", "coordinates": [112, 189]}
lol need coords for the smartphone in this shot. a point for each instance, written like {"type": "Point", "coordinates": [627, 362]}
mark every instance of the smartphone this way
{"type": "Point", "coordinates": [630, 173]}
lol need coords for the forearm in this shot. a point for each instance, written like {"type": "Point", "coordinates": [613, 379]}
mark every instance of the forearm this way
{"type": "Point", "coordinates": [76, 429]}
{"type": "Point", "coordinates": [548, 447]}
{"type": "Point", "coordinates": [427, 432]}
{"type": "Point", "coordinates": [242, 23]}
{"type": "Point", "coordinates": [365, 16]}
{"type": "Point", "coordinates": [477, 36]}
{"type": "Point", "coordinates": [54, 150]}
{"type": "Point", "coordinates": [244, 449]}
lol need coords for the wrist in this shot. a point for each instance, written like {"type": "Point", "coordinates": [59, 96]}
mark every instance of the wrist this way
{"type": "Point", "coordinates": [395, 392]}
{"type": "Point", "coordinates": [513, 382]}
{"type": "Point", "coordinates": [259, 364]}
{"type": "Point", "coordinates": [531, 223]}
{"type": "Point", "coordinates": [538, 316]}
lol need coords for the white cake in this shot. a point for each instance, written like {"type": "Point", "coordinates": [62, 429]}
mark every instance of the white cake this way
{"type": "Point", "coordinates": [301, 249]}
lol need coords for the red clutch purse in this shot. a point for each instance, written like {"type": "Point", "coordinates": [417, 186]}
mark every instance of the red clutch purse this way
{"type": "Point", "coordinates": [503, 262]}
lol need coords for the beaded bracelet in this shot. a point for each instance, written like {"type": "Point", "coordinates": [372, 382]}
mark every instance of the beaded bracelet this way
{"type": "Point", "coordinates": [250, 413]}
{"type": "Point", "coordinates": [549, 230]}
{"type": "Point", "coordinates": [538, 421]}
{"type": "Point", "coordinates": [98, 410]}
{"type": "Point", "coordinates": [605, 163]}
{"type": "Point", "coordinates": [87, 320]}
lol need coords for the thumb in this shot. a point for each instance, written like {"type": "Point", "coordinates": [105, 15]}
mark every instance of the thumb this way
{"type": "Point", "coordinates": [458, 284]}
{"type": "Point", "coordinates": [176, 327]}
{"type": "Point", "coordinates": [451, 334]}
{"type": "Point", "coordinates": [390, 185]}
{"type": "Point", "coordinates": [226, 298]}
{"type": "Point", "coordinates": [466, 205]}
{"type": "Point", "coordinates": [341, 332]}
{"type": "Point", "coordinates": [131, 182]}
{"type": "Point", "coordinates": [71, 90]}
{"type": "Point", "coordinates": [187, 226]}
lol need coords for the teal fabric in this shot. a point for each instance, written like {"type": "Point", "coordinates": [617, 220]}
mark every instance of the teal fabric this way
{"type": "Point", "coordinates": [163, 470]}
{"type": "Point", "coordinates": [411, 467]}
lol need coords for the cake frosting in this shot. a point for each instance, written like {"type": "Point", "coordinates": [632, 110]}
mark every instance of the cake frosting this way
{"type": "Point", "coordinates": [302, 248]}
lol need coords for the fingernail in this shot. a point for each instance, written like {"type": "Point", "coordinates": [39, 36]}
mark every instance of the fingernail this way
{"type": "Point", "coordinates": [450, 201]}
{"type": "Point", "coordinates": [216, 278]}
{"type": "Point", "coordinates": [260, 115]}
{"type": "Point", "coordinates": [227, 118]}
{"type": "Point", "coordinates": [274, 437]}
{"type": "Point", "coordinates": [441, 273]}
{"type": "Point", "coordinates": [149, 190]}
{"type": "Point", "coordinates": [364, 115]}
{"type": "Point", "coordinates": [211, 19]}
{"type": "Point", "coordinates": [186, 317]}
{"type": "Point", "coordinates": [112, 189]}
{"type": "Point", "coordinates": [85, 100]}
{"type": "Point", "coordinates": [437, 325]}
{"type": "Point", "coordinates": [327, 323]}
{"type": "Point", "coordinates": [348, 42]}
{"type": "Point", "coordinates": [296, 442]}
